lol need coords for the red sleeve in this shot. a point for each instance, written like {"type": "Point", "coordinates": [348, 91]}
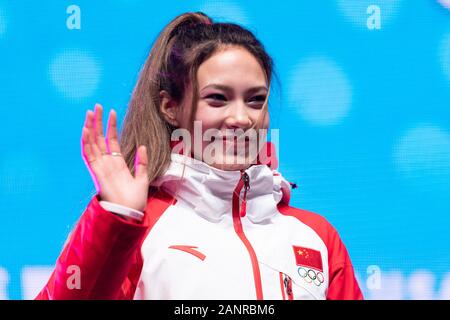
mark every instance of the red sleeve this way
{"type": "Point", "coordinates": [105, 249]}
{"type": "Point", "coordinates": [342, 282]}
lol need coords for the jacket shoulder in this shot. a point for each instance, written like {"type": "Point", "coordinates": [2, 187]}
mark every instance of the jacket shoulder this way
{"type": "Point", "coordinates": [343, 284]}
{"type": "Point", "coordinates": [315, 221]}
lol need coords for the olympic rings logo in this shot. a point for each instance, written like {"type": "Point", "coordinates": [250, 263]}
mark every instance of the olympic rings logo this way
{"type": "Point", "coordinates": [311, 276]}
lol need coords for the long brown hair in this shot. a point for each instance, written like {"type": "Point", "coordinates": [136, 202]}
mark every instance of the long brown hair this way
{"type": "Point", "coordinates": [181, 47]}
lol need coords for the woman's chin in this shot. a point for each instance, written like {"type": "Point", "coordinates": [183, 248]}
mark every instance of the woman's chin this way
{"type": "Point", "coordinates": [233, 163]}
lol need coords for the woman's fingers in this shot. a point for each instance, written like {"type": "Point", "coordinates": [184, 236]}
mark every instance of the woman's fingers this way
{"type": "Point", "coordinates": [112, 178]}
{"type": "Point", "coordinates": [87, 138]}
{"type": "Point", "coordinates": [95, 149]}
{"type": "Point", "coordinates": [111, 133]}
{"type": "Point", "coordinates": [98, 129]}
{"type": "Point", "coordinates": [90, 136]}
{"type": "Point", "coordinates": [88, 124]}
{"type": "Point", "coordinates": [141, 162]}
{"type": "Point", "coordinates": [86, 146]}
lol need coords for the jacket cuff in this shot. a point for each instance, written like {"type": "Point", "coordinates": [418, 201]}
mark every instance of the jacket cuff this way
{"type": "Point", "coordinates": [122, 210]}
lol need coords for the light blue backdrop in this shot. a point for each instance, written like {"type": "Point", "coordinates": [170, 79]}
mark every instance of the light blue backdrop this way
{"type": "Point", "coordinates": [363, 113]}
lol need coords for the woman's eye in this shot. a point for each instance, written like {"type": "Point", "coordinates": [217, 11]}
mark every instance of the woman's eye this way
{"type": "Point", "coordinates": [216, 96]}
{"type": "Point", "coordinates": [258, 100]}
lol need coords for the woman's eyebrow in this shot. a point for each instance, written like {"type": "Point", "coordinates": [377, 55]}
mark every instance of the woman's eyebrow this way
{"type": "Point", "coordinates": [229, 89]}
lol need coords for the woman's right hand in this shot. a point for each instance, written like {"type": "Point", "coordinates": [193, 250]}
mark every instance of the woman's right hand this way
{"type": "Point", "coordinates": [112, 178]}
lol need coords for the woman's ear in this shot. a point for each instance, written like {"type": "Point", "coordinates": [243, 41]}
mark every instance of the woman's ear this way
{"type": "Point", "coordinates": [168, 107]}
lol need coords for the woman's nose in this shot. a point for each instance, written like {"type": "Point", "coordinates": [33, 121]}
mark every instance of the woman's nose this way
{"type": "Point", "coordinates": [237, 116]}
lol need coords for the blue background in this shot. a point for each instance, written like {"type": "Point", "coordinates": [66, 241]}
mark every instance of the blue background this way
{"type": "Point", "coordinates": [364, 119]}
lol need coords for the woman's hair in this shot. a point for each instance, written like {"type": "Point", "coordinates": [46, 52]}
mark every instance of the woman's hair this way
{"type": "Point", "coordinates": [181, 47]}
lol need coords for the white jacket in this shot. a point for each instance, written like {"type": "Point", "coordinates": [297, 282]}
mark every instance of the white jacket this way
{"type": "Point", "coordinates": [209, 234]}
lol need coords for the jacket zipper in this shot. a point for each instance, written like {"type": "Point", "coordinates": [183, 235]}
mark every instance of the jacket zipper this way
{"type": "Point", "coordinates": [244, 182]}
{"type": "Point", "coordinates": [286, 286]}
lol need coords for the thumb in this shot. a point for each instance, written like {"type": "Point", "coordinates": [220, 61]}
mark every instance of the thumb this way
{"type": "Point", "coordinates": [141, 162]}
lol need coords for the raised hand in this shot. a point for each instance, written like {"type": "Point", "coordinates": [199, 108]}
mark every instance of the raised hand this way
{"type": "Point", "coordinates": [112, 178]}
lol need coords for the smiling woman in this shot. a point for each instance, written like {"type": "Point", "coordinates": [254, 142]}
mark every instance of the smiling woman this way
{"type": "Point", "coordinates": [166, 221]}
{"type": "Point", "coordinates": [233, 93]}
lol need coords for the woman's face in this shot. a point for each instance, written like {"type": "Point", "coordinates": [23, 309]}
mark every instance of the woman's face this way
{"type": "Point", "coordinates": [232, 89]}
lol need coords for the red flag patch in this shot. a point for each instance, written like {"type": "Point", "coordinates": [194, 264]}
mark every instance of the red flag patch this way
{"type": "Point", "coordinates": [308, 258]}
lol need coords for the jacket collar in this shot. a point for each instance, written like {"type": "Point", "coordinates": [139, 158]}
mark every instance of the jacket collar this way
{"type": "Point", "coordinates": [210, 190]}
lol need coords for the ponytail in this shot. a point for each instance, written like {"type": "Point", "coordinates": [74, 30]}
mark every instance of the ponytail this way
{"type": "Point", "coordinates": [143, 123]}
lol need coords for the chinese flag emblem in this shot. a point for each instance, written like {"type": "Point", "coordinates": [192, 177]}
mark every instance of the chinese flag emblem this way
{"type": "Point", "coordinates": [308, 258]}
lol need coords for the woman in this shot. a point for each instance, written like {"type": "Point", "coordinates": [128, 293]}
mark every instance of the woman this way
{"type": "Point", "coordinates": [175, 220]}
